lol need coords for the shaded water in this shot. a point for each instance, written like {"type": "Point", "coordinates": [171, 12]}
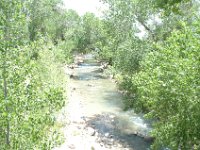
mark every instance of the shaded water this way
{"type": "Point", "coordinates": [103, 104]}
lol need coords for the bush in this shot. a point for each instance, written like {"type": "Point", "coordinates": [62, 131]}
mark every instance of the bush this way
{"type": "Point", "coordinates": [35, 91]}
{"type": "Point", "coordinates": [168, 86]}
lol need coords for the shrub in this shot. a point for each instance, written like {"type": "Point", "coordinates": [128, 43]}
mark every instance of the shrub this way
{"type": "Point", "coordinates": [168, 86]}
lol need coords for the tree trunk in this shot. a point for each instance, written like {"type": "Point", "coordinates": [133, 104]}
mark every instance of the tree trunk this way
{"type": "Point", "coordinates": [6, 104]}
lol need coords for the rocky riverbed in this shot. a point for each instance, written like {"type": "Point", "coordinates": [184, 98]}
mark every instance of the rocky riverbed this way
{"type": "Point", "coordinates": [94, 119]}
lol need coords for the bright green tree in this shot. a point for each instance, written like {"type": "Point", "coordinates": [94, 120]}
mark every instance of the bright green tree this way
{"type": "Point", "coordinates": [168, 85]}
{"type": "Point", "coordinates": [29, 95]}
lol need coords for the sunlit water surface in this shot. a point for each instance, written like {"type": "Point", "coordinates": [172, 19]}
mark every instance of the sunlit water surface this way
{"type": "Point", "coordinates": [100, 96]}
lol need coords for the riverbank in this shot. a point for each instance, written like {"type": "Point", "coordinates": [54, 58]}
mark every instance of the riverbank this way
{"type": "Point", "coordinates": [94, 117]}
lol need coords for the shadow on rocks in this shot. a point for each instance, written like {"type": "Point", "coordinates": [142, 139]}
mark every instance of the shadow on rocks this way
{"type": "Point", "coordinates": [109, 135]}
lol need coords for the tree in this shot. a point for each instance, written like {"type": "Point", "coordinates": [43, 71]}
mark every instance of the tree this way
{"type": "Point", "coordinates": [28, 96]}
{"type": "Point", "coordinates": [41, 15]}
{"type": "Point", "coordinates": [168, 87]}
{"type": "Point", "coordinates": [157, 70]}
{"type": "Point", "coordinates": [88, 32]}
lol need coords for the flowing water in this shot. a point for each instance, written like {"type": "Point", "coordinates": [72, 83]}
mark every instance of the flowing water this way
{"type": "Point", "coordinates": [103, 106]}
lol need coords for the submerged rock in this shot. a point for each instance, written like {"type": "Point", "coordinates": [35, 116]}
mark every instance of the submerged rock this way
{"type": "Point", "coordinates": [149, 138]}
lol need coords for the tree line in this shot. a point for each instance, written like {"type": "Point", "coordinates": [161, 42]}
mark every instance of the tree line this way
{"type": "Point", "coordinates": [160, 70]}
{"type": "Point", "coordinates": [37, 37]}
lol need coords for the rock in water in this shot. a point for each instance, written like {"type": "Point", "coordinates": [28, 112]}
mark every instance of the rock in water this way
{"type": "Point", "coordinates": [107, 134]}
{"type": "Point", "coordinates": [90, 131]}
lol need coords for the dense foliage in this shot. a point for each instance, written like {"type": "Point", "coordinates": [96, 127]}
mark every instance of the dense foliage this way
{"type": "Point", "coordinates": [152, 49]}
{"type": "Point", "coordinates": [32, 81]}
{"type": "Point", "coordinates": [168, 86]}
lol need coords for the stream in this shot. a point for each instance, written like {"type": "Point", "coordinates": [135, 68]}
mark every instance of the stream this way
{"type": "Point", "coordinates": [96, 100]}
